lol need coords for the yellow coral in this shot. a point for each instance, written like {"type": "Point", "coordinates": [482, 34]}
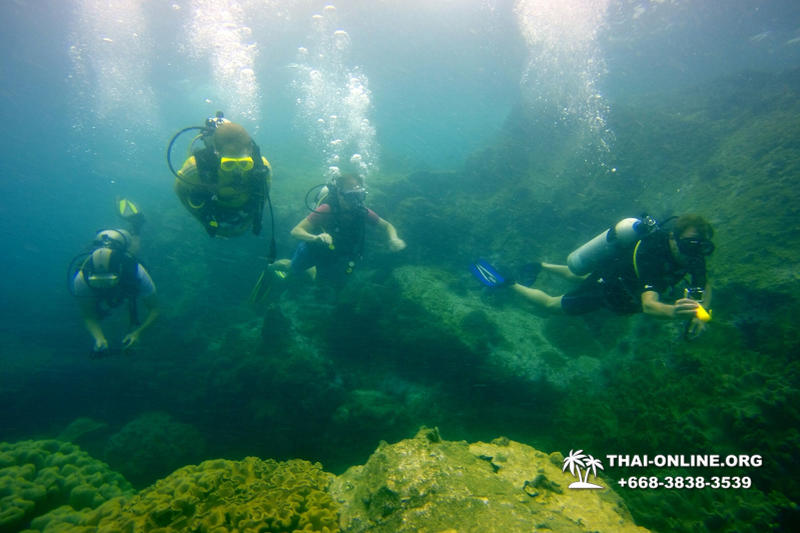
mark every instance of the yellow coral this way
{"type": "Point", "coordinates": [220, 496]}
{"type": "Point", "coordinates": [37, 477]}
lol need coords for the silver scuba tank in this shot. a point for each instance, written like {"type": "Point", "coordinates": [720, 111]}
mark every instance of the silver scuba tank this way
{"type": "Point", "coordinates": [588, 256]}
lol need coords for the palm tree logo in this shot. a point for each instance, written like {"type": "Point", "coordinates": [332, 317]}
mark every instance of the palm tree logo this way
{"type": "Point", "coordinates": [575, 461]}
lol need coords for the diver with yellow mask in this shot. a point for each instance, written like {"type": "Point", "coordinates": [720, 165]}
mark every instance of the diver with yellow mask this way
{"type": "Point", "coordinates": [226, 183]}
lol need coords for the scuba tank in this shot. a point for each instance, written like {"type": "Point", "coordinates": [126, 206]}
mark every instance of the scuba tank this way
{"type": "Point", "coordinates": [587, 257]}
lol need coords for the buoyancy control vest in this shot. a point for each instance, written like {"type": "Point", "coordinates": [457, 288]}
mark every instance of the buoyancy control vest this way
{"type": "Point", "coordinates": [207, 163]}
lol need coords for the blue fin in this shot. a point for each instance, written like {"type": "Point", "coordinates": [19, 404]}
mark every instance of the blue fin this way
{"type": "Point", "coordinates": [487, 274]}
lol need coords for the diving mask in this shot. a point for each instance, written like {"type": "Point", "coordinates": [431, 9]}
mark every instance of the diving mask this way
{"type": "Point", "coordinates": [695, 247]}
{"type": "Point", "coordinates": [102, 269]}
{"type": "Point", "coordinates": [355, 196]}
{"type": "Point", "coordinates": [229, 164]}
{"type": "Point", "coordinates": [106, 280]}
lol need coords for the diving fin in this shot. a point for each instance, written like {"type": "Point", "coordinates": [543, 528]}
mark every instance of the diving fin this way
{"type": "Point", "coordinates": [125, 208]}
{"type": "Point", "coordinates": [264, 284]}
{"type": "Point", "coordinates": [129, 211]}
{"type": "Point", "coordinates": [488, 275]}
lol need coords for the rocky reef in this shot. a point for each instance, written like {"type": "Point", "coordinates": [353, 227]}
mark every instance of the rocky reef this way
{"type": "Point", "coordinates": [153, 445]}
{"type": "Point", "coordinates": [429, 484]}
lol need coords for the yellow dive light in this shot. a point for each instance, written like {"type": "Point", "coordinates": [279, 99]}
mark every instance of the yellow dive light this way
{"type": "Point", "coordinates": [702, 314]}
{"type": "Point", "coordinates": [697, 295]}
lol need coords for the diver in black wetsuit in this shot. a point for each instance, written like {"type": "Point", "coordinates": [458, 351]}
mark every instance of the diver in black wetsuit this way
{"type": "Point", "coordinates": [632, 280]}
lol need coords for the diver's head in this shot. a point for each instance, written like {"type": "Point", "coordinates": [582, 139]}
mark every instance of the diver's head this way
{"type": "Point", "coordinates": [234, 148]}
{"type": "Point", "coordinates": [117, 239]}
{"type": "Point", "coordinates": [103, 269]}
{"type": "Point", "coordinates": [692, 238]}
{"type": "Point", "coordinates": [350, 190]}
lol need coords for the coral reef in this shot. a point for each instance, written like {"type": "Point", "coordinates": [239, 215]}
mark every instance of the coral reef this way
{"type": "Point", "coordinates": [427, 484]}
{"type": "Point", "coordinates": [418, 484]}
{"type": "Point", "coordinates": [90, 434]}
{"type": "Point", "coordinates": [219, 496]}
{"type": "Point", "coordinates": [153, 445]}
{"type": "Point", "coordinates": [39, 476]}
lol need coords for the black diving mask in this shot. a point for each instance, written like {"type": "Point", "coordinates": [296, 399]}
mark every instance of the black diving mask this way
{"type": "Point", "coordinates": [694, 247]}
{"type": "Point", "coordinates": [355, 196]}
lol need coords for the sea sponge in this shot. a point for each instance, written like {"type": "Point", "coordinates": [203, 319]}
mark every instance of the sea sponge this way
{"type": "Point", "coordinates": [222, 495]}
{"type": "Point", "coordinates": [39, 476]}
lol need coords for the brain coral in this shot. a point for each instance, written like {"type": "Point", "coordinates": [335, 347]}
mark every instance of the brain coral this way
{"type": "Point", "coordinates": [221, 495]}
{"type": "Point", "coordinates": [38, 476]}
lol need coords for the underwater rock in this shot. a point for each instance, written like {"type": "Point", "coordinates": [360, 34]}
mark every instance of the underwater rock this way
{"type": "Point", "coordinates": [429, 484]}
{"type": "Point", "coordinates": [91, 435]}
{"type": "Point", "coordinates": [39, 476]}
{"type": "Point", "coordinates": [80, 428]}
{"type": "Point", "coordinates": [153, 445]}
{"type": "Point", "coordinates": [504, 341]}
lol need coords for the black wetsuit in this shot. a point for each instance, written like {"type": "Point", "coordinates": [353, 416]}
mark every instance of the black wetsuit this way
{"type": "Point", "coordinates": [618, 283]}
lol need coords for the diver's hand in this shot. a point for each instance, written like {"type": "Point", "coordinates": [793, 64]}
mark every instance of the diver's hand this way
{"type": "Point", "coordinates": [130, 339]}
{"type": "Point", "coordinates": [100, 349]}
{"type": "Point", "coordinates": [396, 245]}
{"type": "Point", "coordinates": [685, 308]}
{"type": "Point", "coordinates": [324, 238]}
{"type": "Point", "coordinates": [696, 328]}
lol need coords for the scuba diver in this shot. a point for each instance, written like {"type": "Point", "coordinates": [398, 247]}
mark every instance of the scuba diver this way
{"type": "Point", "coordinates": [108, 275]}
{"type": "Point", "coordinates": [625, 269]}
{"type": "Point", "coordinates": [332, 235]}
{"type": "Point", "coordinates": [226, 183]}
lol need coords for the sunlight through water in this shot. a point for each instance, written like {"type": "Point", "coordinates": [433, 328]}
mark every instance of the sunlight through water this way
{"type": "Point", "coordinates": [334, 100]}
{"type": "Point", "coordinates": [110, 52]}
{"type": "Point", "coordinates": [565, 63]}
{"type": "Point", "coordinates": [218, 32]}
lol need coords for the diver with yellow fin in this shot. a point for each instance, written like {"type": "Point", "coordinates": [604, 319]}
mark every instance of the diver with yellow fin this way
{"type": "Point", "coordinates": [625, 269]}
{"type": "Point", "coordinates": [108, 275]}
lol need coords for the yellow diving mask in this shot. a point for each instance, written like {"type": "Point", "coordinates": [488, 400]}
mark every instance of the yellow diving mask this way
{"type": "Point", "coordinates": [229, 164]}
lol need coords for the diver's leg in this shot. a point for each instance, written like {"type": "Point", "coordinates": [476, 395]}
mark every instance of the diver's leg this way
{"type": "Point", "coordinates": [281, 265]}
{"type": "Point", "coordinates": [562, 270]}
{"type": "Point", "coordinates": [540, 298]}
